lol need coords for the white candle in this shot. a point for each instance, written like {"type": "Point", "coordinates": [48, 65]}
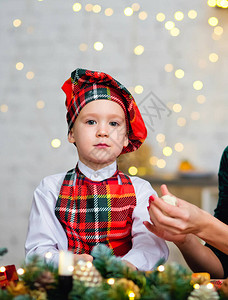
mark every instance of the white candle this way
{"type": "Point", "coordinates": [66, 262]}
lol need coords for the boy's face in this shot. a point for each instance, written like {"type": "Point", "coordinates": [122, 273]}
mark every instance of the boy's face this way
{"type": "Point", "coordinates": [99, 133]}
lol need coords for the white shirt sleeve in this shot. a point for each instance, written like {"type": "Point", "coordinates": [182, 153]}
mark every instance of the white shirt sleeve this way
{"type": "Point", "coordinates": [147, 248]}
{"type": "Point", "coordinates": [45, 233]}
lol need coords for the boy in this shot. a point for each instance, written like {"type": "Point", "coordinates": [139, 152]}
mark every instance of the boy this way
{"type": "Point", "coordinates": [95, 202]}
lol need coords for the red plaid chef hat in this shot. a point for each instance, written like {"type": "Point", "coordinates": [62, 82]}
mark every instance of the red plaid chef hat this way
{"type": "Point", "coordinates": [85, 86]}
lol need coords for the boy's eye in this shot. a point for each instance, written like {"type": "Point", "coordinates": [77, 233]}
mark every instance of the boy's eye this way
{"type": "Point", "coordinates": [91, 122]}
{"type": "Point", "coordinates": [113, 123]}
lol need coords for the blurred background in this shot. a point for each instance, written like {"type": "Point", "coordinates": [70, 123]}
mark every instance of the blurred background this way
{"type": "Point", "coordinates": [172, 56]}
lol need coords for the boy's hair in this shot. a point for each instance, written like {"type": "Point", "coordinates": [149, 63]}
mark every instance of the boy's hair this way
{"type": "Point", "coordinates": [85, 86]}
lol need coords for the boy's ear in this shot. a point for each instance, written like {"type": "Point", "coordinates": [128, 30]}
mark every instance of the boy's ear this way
{"type": "Point", "coordinates": [126, 141]}
{"type": "Point", "coordinates": [71, 138]}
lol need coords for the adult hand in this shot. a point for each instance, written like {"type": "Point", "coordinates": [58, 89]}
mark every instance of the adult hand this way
{"type": "Point", "coordinates": [170, 222]}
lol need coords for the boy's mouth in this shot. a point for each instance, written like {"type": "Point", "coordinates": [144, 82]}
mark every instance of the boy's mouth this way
{"type": "Point", "coordinates": [101, 145]}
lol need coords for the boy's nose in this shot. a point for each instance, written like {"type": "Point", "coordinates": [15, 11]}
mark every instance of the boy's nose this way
{"type": "Point", "coordinates": [102, 131]}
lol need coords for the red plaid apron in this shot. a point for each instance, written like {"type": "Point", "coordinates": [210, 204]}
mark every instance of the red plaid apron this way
{"type": "Point", "coordinates": [96, 212]}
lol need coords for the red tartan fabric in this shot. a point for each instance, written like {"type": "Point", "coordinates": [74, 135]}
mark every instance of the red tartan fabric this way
{"type": "Point", "coordinates": [85, 86]}
{"type": "Point", "coordinates": [96, 212]}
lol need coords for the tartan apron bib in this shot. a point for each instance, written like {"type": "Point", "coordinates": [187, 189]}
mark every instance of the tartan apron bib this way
{"type": "Point", "coordinates": [96, 212]}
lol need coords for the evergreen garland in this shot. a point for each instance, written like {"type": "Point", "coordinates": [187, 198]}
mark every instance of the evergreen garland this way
{"type": "Point", "coordinates": [40, 282]}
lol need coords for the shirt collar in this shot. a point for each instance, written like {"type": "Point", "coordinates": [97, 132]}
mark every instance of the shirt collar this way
{"type": "Point", "coordinates": [100, 174]}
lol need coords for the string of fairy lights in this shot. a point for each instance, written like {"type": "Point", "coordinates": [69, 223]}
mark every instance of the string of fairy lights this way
{"type": "Point", "coordinates": [171, 25]}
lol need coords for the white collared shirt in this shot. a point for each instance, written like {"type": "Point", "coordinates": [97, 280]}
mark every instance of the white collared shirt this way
{"type": "Point", "coordinates": [46, 234]}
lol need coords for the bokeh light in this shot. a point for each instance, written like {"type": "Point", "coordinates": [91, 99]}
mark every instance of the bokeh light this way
{"type": "Point", "coordinates": [167, 151]}
{"type": "Point", "coordinates": [160, 17]}
{"type": "Point", "coordinates": [138, 89]}
{"type": "Point", "coordinates": [179, 16]}
{"type": "Point", "coordinates": [109, 12]}
{"type": "Point", "coordinates": [179, 73]}
{"type": "Point", "coordinates": [30, 75]}
{"type": "Point", "coordinates": [213, 21]}
{"type": "Point", "coordinates": [83, 47]}
{"type": "Point", "coordinates": [169, 25]}
{"type": "Point", "coordinates": [128, 11]}
{"type": "Point", "coordinates": [198, 85]}
{"type": "Point", "coordinates": [132, 170]}
{"type": "Point", "coordinates": [98, 46]}
{"type": "Point", "coordinates": [201, 99]}
{"type": "Point", "coordinates": [77, 7]}
{"type": "Point", "coordinates": [161, 163]}
{"type": "Point", "coordinates": [56, 143]}
{"type": "Point", "coordinates": [181, 122]}
{"type": "Point", "coordinates": [139, 50]}
{"type": "Point", "coordinates": [19, 66]}
{"type": "Point", "coordinates": [40, 104]}
{"type": "Point", "coordinates": [213, 57]}
{"type": "Point", "coordinates": [179, 147]}
{"type": "Point", "coordinates": [96, 8]}
{"type": "Point", "coordinates": [143, 15]}
{"type": "Point", "coordinates": [4, 108]}
{"type": "Point", "coordinates": [17, 22]}
{"type": "Point", "coordinates": [168, 67]}
{"type": "Point", "coordinates": [160, 137]}
{"type": "Point", "coordinates": [177, 107]}
{"type": "Point", "coordinates": [192, 14]}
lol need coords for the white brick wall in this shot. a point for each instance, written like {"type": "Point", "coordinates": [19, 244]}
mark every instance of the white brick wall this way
{"type": "Point", "coordinates": [48, 42]}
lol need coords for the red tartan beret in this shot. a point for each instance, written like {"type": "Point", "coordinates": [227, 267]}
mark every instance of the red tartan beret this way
{"type": "Point", "coordinates": [85, 86]}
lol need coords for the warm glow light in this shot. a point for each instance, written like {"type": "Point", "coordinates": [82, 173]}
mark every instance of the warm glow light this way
{"type": "Point", "coordinates": [160, 17]}
{"type": "Point", "coordinates": [161, 163]}
{"type": "Point", "coordinates": [218, 30]}
{"type": "Point", "coordinates": [109, 12]}
{"type": "Point", "coordinates": [139, 50]}
{"type": "Point", "coordinates": [213, 21]}
{"type": "Point", "coordinates": [2, 269]}
{"type": "Point", "coordinates": [179, 147]}
{"type": "Point", "coordinates": [175, 31]}
{"type": "Point", "coordinates": [169, 25]}
{"type": "Point", "coordinates": [177, 107]}
{"type": "Point", "coordinates": [40, 104]}
{"type": "Point", "coordinates": [4, 108]}
{"type": "Point", "coordinates": [201, 99]}
{"type": "Point", "coordinates": [160, 137]}
{"type": "Point", "coordinates": [161, 268]}
{"type": "Point", "coordinates": [179, 16]}
{"type": "Point", "coordinates": [210, 285]}
{"type": "Point", "coordinates": [19, 66]}
{"type": "Point", "coordinates": [213, 57]}
{"type": "Point", "coordinates": [98, 46]}
{"type": "Point", "coordinates": [48, 255]}
{"type": "Point", "coordinates": [192, 14]}
{"type": "Point", "coordinates": [96, 8]}
{"type": "Point", "coordinates": [89, 264]}
{"type": "Point", "coordinates": [135, 6]}
{"type": "Point", "coordinates": [196, 286]}
{"type": "Point", "coordinates": [138, 89]}
{"type": "Point", "coordinates": [195, 115]}
{"type": "Point", "coordinates": [179, 73]}
{"type": "Point", "coordinates": [167, 151]}
{"type": "Point", "coordinates": [181, 122]}
{"type": "Point", "coordinates": [197, 85]}
{"type": "Point", "coordinates": [128, 11]}
{"type": "Point", "coordinates": [20, 271]}
{"type": "Point", "coordinates": [133, 170]}
{"type": "Point", "coordinates": [83, 47]}
{"type": "Point", "coordinates": [131, 295]}
{"type": "Point", "coordinates": [215, 37]}
{"type": "Point", "coordinates": [17, 22]}
{"type": "Point", "coordinates": [55, 143]}
{"type": "Point", "coordinates": [222, 3]}
{"type": "Point", "coordinates": [77, 7]}
{"type": "Point", "coordinates": [212, 3]}
{"type": "Point", "coordinates": [111, 281]}
{"type": "Point", "coordinates": [153, 160]}
{"type": "Point", "coordinates": [168, 67]}
{"type": "Point", "coordinates": [30, 75]}
{"type": "Point", "coordinates": [143, 15]}
{"type": "Point", "coordinates": [89, 7]}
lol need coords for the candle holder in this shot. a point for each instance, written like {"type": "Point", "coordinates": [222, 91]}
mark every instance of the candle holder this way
{"type": "Point", "coordinates": [65, 285]}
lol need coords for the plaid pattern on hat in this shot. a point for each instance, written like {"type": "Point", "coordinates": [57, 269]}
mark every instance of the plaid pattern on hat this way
{"type": "Point", "coordinates": [85, 86]}
{"type": "Point", "coordinates": [96, 212]}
